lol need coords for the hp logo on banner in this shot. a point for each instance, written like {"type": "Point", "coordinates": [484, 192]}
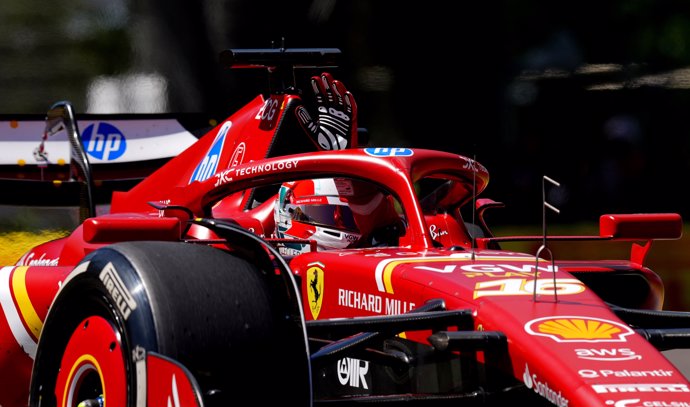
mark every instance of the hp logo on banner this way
{"type": "Point", "coordinates": [104, 141]}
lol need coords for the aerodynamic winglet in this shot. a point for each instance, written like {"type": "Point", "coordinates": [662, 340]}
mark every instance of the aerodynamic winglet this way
{"type": "Point", "coordinates": [280, 57]}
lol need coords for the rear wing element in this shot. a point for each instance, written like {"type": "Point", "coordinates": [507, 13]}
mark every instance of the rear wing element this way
{"type": "Point", "coordinates": [621, 227]}
{"type": "Point", "coordinates": [280, 63]}
{"type": "Point", "coordinates": [37, 156]}
{"type": "Point", "coordinates": [639, 228]}
{"type": "Point", "coordinates": [272, 58]}
{"type": "Point", "coordinates": [643, 226]}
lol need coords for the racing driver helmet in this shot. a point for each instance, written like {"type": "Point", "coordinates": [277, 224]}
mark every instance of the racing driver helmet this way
{"type": "Point", "coordinates": [314, 209]}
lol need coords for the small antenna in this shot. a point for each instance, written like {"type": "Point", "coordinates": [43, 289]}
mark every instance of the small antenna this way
{"type": "Point", "coordinates": [543, 246]}
{"type": "Point", "coordinates": [474, 202]}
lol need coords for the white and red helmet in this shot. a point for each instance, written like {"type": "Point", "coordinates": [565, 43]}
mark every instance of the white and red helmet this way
{"type": "Point", "coordinates": [316, 209]}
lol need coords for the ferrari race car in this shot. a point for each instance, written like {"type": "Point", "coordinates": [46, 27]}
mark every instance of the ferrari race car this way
{"type": "Point", "coordinates": [278, 259]}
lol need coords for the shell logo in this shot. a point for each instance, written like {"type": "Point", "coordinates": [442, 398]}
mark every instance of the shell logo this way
{"type": "Point", "coordinates": [578, 329]}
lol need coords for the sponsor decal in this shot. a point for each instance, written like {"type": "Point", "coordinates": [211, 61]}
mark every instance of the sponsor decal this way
{"type": "Point", "coordinates": [289, 250]}
{"type": "Point", "coordinates": [226, 176]}
{"type": "Point", "coordinates": [267, 115]}
{"type": "Point", "coordinates": [503, 274]}
{"type": "Point", "coordinates": [436, 231]}
{"type": "Point", "coordinates": [507, 270]}
{"type": "Point", "coordinates": [543, 389]}
{"type": "Point", "coordinates": [395, 307]}
{"type": "Point", "coordinates": [522, 286]}
{"type": "Point", "coordinates": [607, 355]}
{"type": "Point", "coordinates": [352, 372]}
{"type": "Point", "coordinates": [504, 268]}
{"type": "Point", "coordinates": [384, 269]}
{"type": "Point", "coordinates": [117, 289]}
{"type": "Point", "coordinates": [578, 329]}
{"type": "Point", "coordinates": [104, 141]}
{"type": "Point", "coordinates": [270, 167]}
{"type": "Point", "coordinates": [358, 300]}
{"type": "Point", "coordinates": [646, 403]}
{"type": "Point", "coordinates": [238, 155]}
{"type": "Point", "coordinates": [593, 373]}
{"type": "Point", "coordinates": [623, 403]}
{"type": "Point", "coordinates": [30, 260]}
{"type": "Point", "coordinates": [223, 177]}
{"type": "Point", "coordinates": [473, 165]}
{"type": "Point", "coordinates": [209, 164]}
{"type": "Point", "coordinates": [164, 203]}
{"type": "Point", "coordinates": [388, 151]}
{"type": "Point", "coordinates": [315, 283]}
{"type": "Point", "coordinates": [641, 388]}
{"type": "Point", "coordinates": [373, 303]}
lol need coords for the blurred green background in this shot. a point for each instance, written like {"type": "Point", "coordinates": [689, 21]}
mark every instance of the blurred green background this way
{"type": "Point", "coordinates": [593, 94]}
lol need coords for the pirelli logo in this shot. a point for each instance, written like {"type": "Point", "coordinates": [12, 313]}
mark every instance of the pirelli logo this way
{"type": "Point", "coordinates": [123, 299]}
{"type": "Point", "coordinates": [642, 387]}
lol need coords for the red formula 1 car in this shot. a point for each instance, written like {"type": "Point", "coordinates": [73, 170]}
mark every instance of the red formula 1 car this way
{"type": "Point", "coordinates": [279, 260]}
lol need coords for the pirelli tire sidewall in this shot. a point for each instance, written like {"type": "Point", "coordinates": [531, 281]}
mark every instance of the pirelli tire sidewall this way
{"type": "Point", "coordinates": [104, 284]}
{"type": "Point", "coordinates": [128, 297]}
{"type": "Point", "coordinates": [226, 319]}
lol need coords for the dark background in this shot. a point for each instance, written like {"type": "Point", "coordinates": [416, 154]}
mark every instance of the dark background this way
{"type": "Point", "coordinates": [591, 94]}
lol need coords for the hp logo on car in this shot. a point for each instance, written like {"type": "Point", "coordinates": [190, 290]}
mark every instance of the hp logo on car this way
{"type": "Point", "coordinates": [104, 141]}
{"type": "Point", "coordinates": [208, 166]}
{"type": "Point", "coordinates": [388, 152]}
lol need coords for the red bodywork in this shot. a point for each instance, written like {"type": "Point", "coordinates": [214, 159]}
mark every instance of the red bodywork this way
{"type": "Point", "coordinates": [564, 341]}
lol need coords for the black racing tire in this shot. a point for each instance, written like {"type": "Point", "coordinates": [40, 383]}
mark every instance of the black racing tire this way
{"type": "Point", "coordinates": [223, 318]}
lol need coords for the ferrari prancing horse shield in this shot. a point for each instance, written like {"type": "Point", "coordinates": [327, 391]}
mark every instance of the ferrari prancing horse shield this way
{"type": "Point", "coordinates": [315, 288]}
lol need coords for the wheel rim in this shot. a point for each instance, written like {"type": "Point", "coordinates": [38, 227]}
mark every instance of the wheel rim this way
{"type": "Point", "coordinates": [92, 365]}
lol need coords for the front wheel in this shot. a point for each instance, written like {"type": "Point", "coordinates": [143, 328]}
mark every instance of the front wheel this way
{"type": "Point", "coordinates": [92, 357]}
{"type": "Point", "coordinates": [225, 320]}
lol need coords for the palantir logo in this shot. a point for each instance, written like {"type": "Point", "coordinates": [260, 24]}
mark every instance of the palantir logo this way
{"type": "Point", "coordinates": [209, 164]}
{"type": "Point", "coordinates": [104, 141]}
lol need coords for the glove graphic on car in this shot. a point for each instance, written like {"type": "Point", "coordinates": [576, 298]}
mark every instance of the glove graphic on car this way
{"type": "Point", "coordinates": [335, 126]}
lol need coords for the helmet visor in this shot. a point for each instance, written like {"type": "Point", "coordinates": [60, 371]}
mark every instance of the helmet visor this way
{"type": "Point", "coordinates": [337, 216]}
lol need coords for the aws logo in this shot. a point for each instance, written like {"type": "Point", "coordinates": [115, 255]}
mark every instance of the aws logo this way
{"type": "Point", "coordinates": [578, 329]}
{"type": "Point", "coordinates": [209, 164]}
{"type": "Point", "coordinates": [315, 288]}
{"type": "Point", "coordinates": [104, 141]}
